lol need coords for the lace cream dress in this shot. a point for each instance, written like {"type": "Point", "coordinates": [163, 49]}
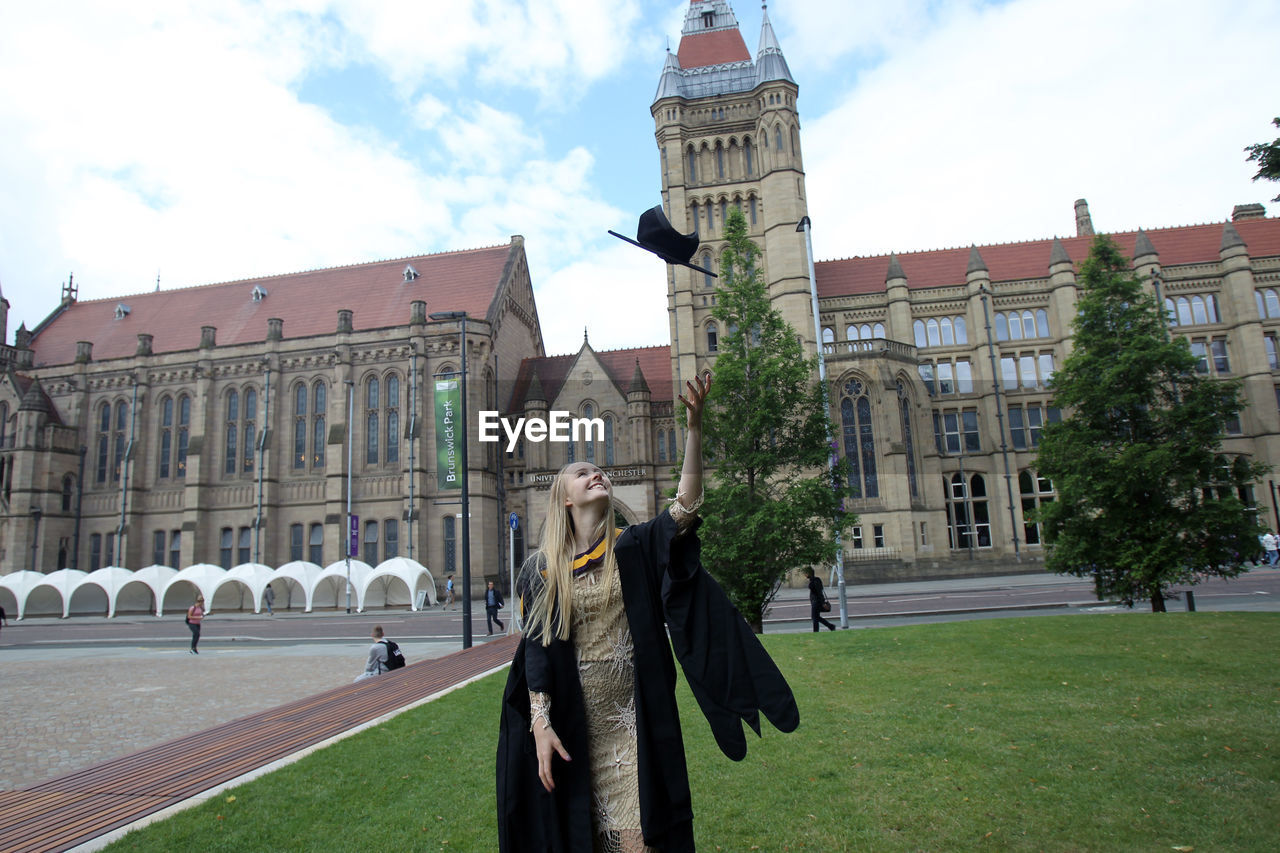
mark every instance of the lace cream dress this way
{"type": "Point", "coordinates": [603, 644]}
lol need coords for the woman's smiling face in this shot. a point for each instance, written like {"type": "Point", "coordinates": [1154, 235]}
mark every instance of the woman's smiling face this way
{"type": "Point", "coordinates": [585, 484]}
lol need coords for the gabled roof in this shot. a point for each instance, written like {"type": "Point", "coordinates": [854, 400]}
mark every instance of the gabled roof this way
{"type": "Point", "coordinates": [1187, 244]}
{"type": "Point", "coordinates": [714, 47]}
{"type": "Point", "coordinates": [32, 397]}
{"type": "Point", "coordinates": [620, 364]}
{"type": "Point", "coordinates": [308, 302]}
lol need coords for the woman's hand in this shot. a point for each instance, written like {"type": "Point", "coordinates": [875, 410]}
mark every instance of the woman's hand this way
{"type": "Point", "coordinates": [548, 742]}
{"type": "Point", "coordinates": [696, 401]}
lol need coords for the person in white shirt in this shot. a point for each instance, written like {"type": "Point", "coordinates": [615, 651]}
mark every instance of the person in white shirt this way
{"type": "Point", "coordinates": [377, 662]}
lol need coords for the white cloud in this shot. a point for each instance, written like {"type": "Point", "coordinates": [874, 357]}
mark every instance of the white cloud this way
{"type": "Point", "coordinates": [988, 130]}
{"type": "Point", "coordinates": [554, 47]}
{"type": "Point", "coordinates": [618, 294]}
{"type": "Point", "coordinates": [824, 32]}
{"type": "Point", "coordinates": [170, 139]}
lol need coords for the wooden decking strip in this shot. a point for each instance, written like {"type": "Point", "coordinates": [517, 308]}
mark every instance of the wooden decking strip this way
{"type": "Point", "coordinates": [70, 810]}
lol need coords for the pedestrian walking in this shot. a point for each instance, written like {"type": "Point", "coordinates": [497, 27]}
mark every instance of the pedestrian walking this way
{"type": "Point", "coordinates": [195, 616]}
{"type": "Point", "coordinates": [448, 593]}
{"type": "Point", "coordinates": [493, 604]}
{"type": "Point", "coordinates": [1272, 546]}
{"type": "Point", "coordinates": [4, 617]}
{"type": "Point", "coordinates": [269, 596]}
{"type": "Point", "coordinates": [818, 603]}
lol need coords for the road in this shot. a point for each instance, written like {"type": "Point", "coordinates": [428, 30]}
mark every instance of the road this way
{"type": "Point", "coordinates": [867, 605]}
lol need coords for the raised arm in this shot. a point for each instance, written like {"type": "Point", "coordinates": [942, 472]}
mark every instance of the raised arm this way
{"type": "Point", "coordinates": [689, 492]}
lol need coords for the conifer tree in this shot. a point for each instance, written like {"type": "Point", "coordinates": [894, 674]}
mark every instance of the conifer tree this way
{"type": "Point", "coordinates": [1146, 496]}
{"type": "Point", "coordinates": [771, 506]}
{"type": "Point", "coordinates": [1267, 156]}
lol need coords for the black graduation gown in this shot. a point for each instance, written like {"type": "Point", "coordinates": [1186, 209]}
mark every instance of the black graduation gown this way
{"type": "Point", "coordinates": [729, 672]}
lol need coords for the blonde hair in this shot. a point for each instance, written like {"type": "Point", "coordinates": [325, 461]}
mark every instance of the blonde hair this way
{"type": "Point", "coordinates": [551, 613]}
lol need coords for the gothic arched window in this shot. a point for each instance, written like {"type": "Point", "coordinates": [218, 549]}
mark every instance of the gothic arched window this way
{"type": "Point", "coordinates": [393, 418]}
{"type": "Point", "coordinates": [166, 437]}
{"type": "Point", "coordinates": [608, 439]}
{"type": "Point", "coordinates": [122, 423]}
{"type": "Point", "coordinates": [713, 342]}
{"type": "Point", "coordinates": [372, 397]}
{"type": "Point", "coordinates": [300, 429]}
{"type": "Point", "coordinates": [1035, 491]}
{"type": "Point", "coordinates": [250, 424]}
{"type": "Point", "coordinates": [859, 440]}
{"type": "Point", "coordinates": [184, 433]}
{"type": "Point", "coordinates": [233, 430]}
{"type": "Point", "coordinates": [319, 436]}
{"type": "Point", "coordinates": [104, 441]}
{"type": "Point", "coordinates": [747, 156]}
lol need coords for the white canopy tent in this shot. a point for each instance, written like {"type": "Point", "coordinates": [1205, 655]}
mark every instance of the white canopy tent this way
{"type": "Point", "coordinates": [253, 576]}
{"type": "Point", "coordinates": [63, 582]}
{"type": "Point", "coordinates": [154, 578]}
{"type": "Point", "coordinates": [204, 577]}
{"type": "Point", "coordinates": [335, 575]}
{"type": "Point", "coordinates": [302, 574]}
{"type": "Point", "coordinates": [111, 581]}
{"type": "Point", "coordinates": [20, 585]}
{"type": "Point", "coordinates": [414, 575]}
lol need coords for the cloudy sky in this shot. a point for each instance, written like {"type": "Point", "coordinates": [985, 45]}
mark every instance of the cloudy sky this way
{"type": "Point", "coordinates": [214, 140]}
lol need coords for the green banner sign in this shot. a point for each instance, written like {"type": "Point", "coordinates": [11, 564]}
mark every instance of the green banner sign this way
{"type": "Point", "coordinates": [449, 432]}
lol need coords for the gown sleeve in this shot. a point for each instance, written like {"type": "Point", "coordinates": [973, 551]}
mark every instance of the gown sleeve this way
{"type": "Point", "coordinates": [728, 670]}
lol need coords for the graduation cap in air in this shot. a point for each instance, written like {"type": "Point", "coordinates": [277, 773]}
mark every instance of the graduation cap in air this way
{"type": "Point", "coordinates": [655, 234]}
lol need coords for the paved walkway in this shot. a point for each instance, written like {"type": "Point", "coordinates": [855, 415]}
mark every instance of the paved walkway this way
{"type": "Point", "coordinates": [87, 704]}
{"type": "Point", "coordinates": [80, 808]}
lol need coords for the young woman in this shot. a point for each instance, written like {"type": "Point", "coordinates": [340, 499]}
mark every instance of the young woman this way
{"type": "Point", "coordinates": [195, 615]}
{"type": "Point", "coordinates": [590, 755]}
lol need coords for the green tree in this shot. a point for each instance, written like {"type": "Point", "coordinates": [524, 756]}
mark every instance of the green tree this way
{"type": "Point", "coordinates": [1146, 498]}
{"type": "Point", "coordinates": [771, 506]}
{"type": "Point", "coordinates": [1267, 156]}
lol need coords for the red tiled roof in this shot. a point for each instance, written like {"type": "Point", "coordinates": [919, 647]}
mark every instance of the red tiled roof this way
{"type": "Point", "coordinates": [1188, 244]}
{"type": "Point", "coordinates": [712, 48]}
{"type": "Point", "coordinates": [655, 364]}
{"type": "Point", "coordinates": [308, 302]}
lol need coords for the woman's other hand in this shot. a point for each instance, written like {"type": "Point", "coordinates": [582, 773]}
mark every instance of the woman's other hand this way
{"type": "Point", "coordinates": [548, 742]}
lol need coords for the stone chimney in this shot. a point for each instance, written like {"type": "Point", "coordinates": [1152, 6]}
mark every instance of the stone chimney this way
{"type": "Point", "coordinates": [144, 344]}
{"type": "Point", "coordinates": [345, 318]}
{"type": "Point", "coordinates": [275, 329]}
{"type": "Point", "coordinates": [84, 352]}
{"type": "Point", "coordinates": [1243, 212]}
{"type": "Point", "coordinates": [417, 312]}
{"type": "Point", "coordinates": [1084, 222]}
{"type": "Point", "coordinates": [208, 337]}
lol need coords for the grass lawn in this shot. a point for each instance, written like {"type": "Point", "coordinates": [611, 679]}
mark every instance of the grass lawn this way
{"type": "Point", "coordinates": [1058, 733]}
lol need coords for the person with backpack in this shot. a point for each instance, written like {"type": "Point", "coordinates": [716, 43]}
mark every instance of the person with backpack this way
{"type": "Point", "coordinates": [384, 656]}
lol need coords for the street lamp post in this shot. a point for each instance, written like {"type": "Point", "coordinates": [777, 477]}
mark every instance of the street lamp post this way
{"type": "Point", "coordinates": [351, 416]}
{"type": "Point", "coordinates": [36, 512]}
{"type": "Point", "coordinates": [1004, 446]}
{"type": "Point", "coordinates": [804, 226]}
{"type": "Point", "coordinates": [461, 316]}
